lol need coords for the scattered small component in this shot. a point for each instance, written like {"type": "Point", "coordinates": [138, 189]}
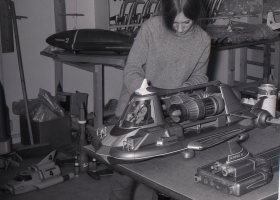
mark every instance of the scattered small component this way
{"type": "Point", "coordinates": [92, 166]}
{"type": "Point", "coordinates": [44, 174]}
{"type": "Point", "coordinates": [97, 174]}
{"type": "Point", "coordinates": [240, 172]}
{"type": "Point", "coordinates": [10, 160]}
{"type": "Point", "coordinates": [76, 167]}
{"type": "Point", "coordinates": [249, 101]}
{"type": "Point", "coordinates": [187, 154]}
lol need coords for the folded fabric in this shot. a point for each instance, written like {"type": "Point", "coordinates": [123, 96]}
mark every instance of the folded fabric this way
{"type": "Point", "coordinates": [239, 32]}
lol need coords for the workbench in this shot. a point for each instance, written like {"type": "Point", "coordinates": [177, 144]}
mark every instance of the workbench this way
{"type": "Point", "coordinates": [171, 175]}
{"type": "Point", "coordinates": [174, 176]}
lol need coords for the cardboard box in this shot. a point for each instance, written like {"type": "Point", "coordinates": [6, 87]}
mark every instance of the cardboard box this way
{"type": "Point", "coordinates": [56, 132]}
{"type": "Point", "coordinates": [71, 102]}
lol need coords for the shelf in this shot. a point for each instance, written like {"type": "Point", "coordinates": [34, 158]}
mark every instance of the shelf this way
{"type": "Point", "coordinates": [86, 61]}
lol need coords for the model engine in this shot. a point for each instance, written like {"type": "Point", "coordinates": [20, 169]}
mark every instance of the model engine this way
{"type": "Point", "coordinates": [159, 122]}
{"type": "Point", "coordinates": [196, 107]}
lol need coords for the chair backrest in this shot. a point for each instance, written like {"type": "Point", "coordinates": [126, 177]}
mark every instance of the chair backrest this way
{"type": "Point", "coordinates": [149, 9]}
{"type": "Point", "coordinates": [127, 4]}
{"type": "Point", "coordinates": [133, 13]}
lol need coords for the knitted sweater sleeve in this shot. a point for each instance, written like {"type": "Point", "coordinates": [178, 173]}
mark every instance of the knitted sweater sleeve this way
{"type": "Point", "coordinates": [198, 74]}
{"type": "Point", "coordinates": [133, 71]}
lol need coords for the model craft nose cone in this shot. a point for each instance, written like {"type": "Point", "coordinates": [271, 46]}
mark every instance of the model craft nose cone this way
{"type": "Point", "coordinates": [62, 40]}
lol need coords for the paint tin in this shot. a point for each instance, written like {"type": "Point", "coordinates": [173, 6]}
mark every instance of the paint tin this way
{"type": "Point", "coordinates": [270, 91]}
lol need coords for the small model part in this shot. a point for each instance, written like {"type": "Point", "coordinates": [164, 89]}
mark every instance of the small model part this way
{"type": "Point", "coordinates": [92, 165]}
{"type": "Point", "coordinates": [271, 21]}
{"type": "Point", "coordinates": [240, 175]}
{"type": "Point", "coordinates": [82, 155]}
{"type": "Point", "coordinates": [44, 174]}
{"type": "Point", "coordinates": [98, 174]}
{"type": "Point", "coordinates": [76, 168]}
{"type": "Point", "coordinates": [187, 154]}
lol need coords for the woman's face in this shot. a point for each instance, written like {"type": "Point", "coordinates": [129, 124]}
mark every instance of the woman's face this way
{"type": "Point", "coordinates": [182, 24]}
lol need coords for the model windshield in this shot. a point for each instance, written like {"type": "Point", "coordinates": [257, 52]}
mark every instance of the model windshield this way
{"type": "Point", "coordinates": [139, 113]}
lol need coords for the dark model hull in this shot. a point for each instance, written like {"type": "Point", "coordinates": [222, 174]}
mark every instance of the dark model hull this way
{"type": "Point", "coordinates": [81, 40]}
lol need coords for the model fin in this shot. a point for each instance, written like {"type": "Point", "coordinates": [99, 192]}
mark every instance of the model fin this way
{"type": "Point", "coordinates": [48, 158]}
{"type": "Point", "coordinates": [143, 89]}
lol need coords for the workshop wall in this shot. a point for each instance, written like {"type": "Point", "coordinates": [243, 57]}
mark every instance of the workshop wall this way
{"type": "Point", "coordinates": [38, 69]}
{"type": "Point", "coordinates": [72, 76]}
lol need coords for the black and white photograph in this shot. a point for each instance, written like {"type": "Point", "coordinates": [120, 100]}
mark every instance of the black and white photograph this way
{"type": "Point", "coordinates": [139, 99]}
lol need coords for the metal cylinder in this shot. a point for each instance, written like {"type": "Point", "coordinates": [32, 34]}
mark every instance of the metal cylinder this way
{"type": "Point", "coordinates": [83, 157]}
{"type": "Point", "coordinates": [270, 102]}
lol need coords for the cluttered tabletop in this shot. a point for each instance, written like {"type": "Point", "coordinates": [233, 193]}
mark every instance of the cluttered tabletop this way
{"type": "Point", "coordinates": [175, 176]}
{"type": "Point", "coordinates": [210, 159]}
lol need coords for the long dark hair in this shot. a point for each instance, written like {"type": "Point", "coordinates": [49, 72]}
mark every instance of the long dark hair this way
{"type": "Point", "coordinates": [192, 9]}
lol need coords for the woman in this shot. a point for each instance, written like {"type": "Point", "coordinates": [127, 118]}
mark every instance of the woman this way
{"type": "Point", "coordinates": [171, 51]}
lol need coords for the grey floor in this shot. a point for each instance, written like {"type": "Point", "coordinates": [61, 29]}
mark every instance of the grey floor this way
{"type": "Point", "coordinates": [81, 188]}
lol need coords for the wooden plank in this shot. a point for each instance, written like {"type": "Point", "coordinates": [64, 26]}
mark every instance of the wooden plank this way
{"type": "Point", "coordinates": [86, 60]}
{"type": "Point", "coordinates": [98, 96]}
{"type": "Point", "coordinates": [60, 15]}
{"type": "Point", "coordinates": [254, 78]}
{"type": "Point", "coordinates": [60, 25]}
{"type": "Point", "coordinates": [258, 64]}
{"type": "Point", "coordinates": [102, 14]}
{"type": "Point", "coordinates": [243, 64]}
{"type": "Point", "coordinates": [260, 48]}
{"type": "Point", "coordinates": [7, 41]}
{"type": "Point", "coordinates": [231, 66]}
{"type": "Point", "coordinates": [266, 62]}
{"type": "Point", "coordinates": [277, 64]}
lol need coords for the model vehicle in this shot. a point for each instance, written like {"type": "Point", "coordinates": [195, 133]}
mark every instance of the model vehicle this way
{"type": "Point", "coordinates": [91, 40]}
{"type": "Point", "coordinates": [158, 122]}
{"type": "Point", "coordinates": [240, 172]}
{"type": "Point", "coordinates": [44, 174]}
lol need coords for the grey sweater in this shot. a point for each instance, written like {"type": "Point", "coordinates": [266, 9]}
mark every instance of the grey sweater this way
{"type": "Point", "coordinates": [165, 59]}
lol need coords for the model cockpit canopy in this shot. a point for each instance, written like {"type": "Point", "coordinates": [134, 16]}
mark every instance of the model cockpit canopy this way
{"type": "Point", "coordinates": [142, 111]}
